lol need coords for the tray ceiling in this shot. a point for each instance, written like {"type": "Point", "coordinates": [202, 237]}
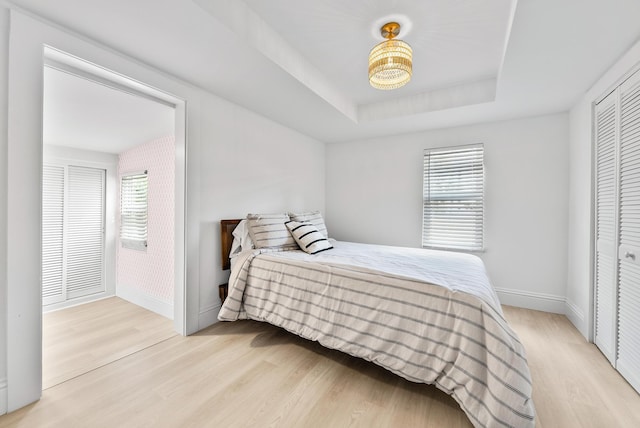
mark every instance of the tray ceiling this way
{"type": "Point", "coordinates": [303, 64]}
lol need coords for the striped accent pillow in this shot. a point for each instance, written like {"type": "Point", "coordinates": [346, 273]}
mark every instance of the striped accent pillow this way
{"type": "Point", "coordinates": [308, 237]}
{"type": "Point", "coordinates": [269, 231]}
{"type": "Point", "coordinates": [313, 217]}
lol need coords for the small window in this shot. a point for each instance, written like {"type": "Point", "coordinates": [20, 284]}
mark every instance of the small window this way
{"type": "Point", "coordinates": [133, 211]}
{"type": "Point", "coordinates": [453, 198]}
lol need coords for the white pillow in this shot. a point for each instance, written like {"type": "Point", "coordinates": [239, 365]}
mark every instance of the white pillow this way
{"type": "Point", "coordinates": [308, 237]}
{"type": "Point", "coordinates": [241, 239]}
{"type": "Point", "coordinates": [269, 231]}
{"type": "Point", "coordinates": [313, 217]}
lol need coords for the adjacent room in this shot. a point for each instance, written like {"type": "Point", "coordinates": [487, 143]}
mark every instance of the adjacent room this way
{"type": "Point", "coordinates": [320, 214]}
{"type": "Point", "coordinates": [106, 293]}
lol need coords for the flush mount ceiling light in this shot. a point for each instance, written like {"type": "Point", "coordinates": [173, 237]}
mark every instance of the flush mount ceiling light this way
{"type": "Point", "coordinates": [390, 61]}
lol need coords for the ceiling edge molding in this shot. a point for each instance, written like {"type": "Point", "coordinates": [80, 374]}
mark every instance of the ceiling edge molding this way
{"type": "Point", "coordinates": [249, 26]}
{"type": "Point", "coordinates": [507, 36]}
{"type": "Point", "coordinates": [440, 99]}
{"type": "Point", "coordinates": [67, 63]}
{"type": "Point", "coordinates": [81, 74]}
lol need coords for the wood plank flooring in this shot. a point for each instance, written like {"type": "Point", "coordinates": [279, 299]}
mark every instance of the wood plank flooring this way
{"type": "Point", "coordinates": [82, 338]}
{"type": "Point", "coordinates": [574, 384]}
{"type": "Point", "coordinates": [247, 373]}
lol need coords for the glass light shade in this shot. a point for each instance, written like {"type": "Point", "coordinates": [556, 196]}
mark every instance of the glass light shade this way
{"type": "Point", "coordinates": [390, 64]}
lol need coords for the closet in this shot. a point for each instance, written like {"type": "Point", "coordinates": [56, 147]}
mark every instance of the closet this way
{"type": "Point", "coordinates": [617, 228]}
{"type": "Point", "coordinates": [73, 218]}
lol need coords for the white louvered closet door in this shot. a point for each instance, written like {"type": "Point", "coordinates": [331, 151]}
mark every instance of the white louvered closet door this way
{"type": "Point", "coordinates": [85, 231]}
{"type": "Point", "coordinates": [628, 361]}
{"type": "Point", "coordinates": [73, 204]}
{"type": "Point", "coordinates": [606, 119]}
{"type": "Point", "coordinates": [52, 234]}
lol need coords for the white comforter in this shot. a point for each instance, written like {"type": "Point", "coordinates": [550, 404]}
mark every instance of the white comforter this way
{"type": "Point", "coordinates": [428, 316]}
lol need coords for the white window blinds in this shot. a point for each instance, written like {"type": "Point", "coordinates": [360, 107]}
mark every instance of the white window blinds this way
{"type": "Point", "coordinates": [133, 211]}
{"type": "Point", "coordinates": [453, 198]}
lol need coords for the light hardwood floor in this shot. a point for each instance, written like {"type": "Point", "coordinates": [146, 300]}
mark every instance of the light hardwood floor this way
{"type": "Point", "coordinates": [247, 373]}
{"type": "Point", "coordinates": [82, 338]}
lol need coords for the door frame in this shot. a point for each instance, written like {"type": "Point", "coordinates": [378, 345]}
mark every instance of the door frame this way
{"type": "Point", "coordinates": [29, 35]}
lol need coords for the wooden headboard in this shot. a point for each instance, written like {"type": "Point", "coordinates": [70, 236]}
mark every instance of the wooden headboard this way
{"type": "Point", "coordinates": [226, 239]}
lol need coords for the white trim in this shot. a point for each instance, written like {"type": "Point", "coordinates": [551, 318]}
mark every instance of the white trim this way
{"type": "Point", "coordinates": [629, 375]}
{"type": "Point", "coordinates": [64, 67]}
{"type": "Point", "coordinates": [208, 316]}
{"type": "Point", "coordinates": [591, 328]}
{"type": "Point", "coordinates": [3, 396]}
{"type": "Point", "coordinates": [75, 302]}
{"type": "Point", "coordinates": [576, 316]}
{"type": "Point", "coordinates": [24, 190]}
{"type": "Point", "coordinates": [140, 298]}
{"type": "Point", "coordinates": [248, 25]}
{"type": "Point", "coordinates": [531, 300]}
{"type": "Point", "coordinates": [626, 76]}
{"type": "Point", "coordinates": [461, 95]}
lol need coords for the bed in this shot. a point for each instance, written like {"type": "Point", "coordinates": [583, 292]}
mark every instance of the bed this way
{"type": "Point", "coordinates": [428, 316]}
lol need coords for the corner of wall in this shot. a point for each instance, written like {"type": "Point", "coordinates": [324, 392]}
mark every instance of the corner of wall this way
{"type": "Point", "coordinates": [145, 300]}
{"type": "Point", "coordinates": [580, 218]}
{"type": "Point", "coordinates": [4, 60]}
{"type": "Point", "coordinates": [147, 278]}
{"type": "Point", "coordinates": [208, 316]}
{"type": "Point", "coordinates": [532, 300]}
{"type": "Point", "coordinates": [577, 318]}
{"type": "Point", "coordinates": [3, 396]}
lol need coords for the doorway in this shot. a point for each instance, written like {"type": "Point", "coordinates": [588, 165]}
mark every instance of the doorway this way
{"type": "Point", "coordinates": [95, 130]}
{"type": "Point", "coordinates": [28, 38]}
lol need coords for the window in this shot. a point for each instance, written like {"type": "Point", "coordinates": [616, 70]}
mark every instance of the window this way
{"type": "Point", "coordinates": [133, 211]}
{"type": "Point", "coordinates": [453, 193]}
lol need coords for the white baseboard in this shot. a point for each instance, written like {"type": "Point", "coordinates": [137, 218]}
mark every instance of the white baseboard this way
{"type": "Point", "coordinates": [531, 300]}
{"type": "Point", "coordinates": [75, 302]}
{"type": "Point", "coordinates": [208, 316]}
{"type": "Point", "coordinates": [577, 318]}
{"type": "Point", "coordinates": [3, 396]}
{"type": "Point", "coordinates": [630, 374]}
{"type": "Point", "coordinates": [140, 298]}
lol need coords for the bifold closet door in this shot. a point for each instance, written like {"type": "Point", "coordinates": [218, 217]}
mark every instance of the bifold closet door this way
{"type": "Point", "coordinates": [606, 134]}
{"type": "Point", "coordinates": [52, 234]}
{"type": "Point", "coordinates": [73, 216]}
{"type": "Point", "coordinates": [628, 359]}
{"type": "Point", "coordinates": [85, 231]}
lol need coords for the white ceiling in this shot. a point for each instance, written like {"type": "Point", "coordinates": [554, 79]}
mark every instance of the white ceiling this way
{"type": "Point", "coordinates": [454, 41]}
{"type": "Point", "coordinates": [303, 64]}
{"type": "Point", "coordinates": [83, 114]}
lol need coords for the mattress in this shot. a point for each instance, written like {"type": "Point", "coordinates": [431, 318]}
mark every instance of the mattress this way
{"type": "Point", "coordinates": [428, 316]}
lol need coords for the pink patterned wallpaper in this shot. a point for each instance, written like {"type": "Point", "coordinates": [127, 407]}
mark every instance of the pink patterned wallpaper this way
{"type": "Point", "coordinates": [152, 272]}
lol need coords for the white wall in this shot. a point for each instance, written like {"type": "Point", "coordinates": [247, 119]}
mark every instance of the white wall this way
{"type": "Point", "coordinates": [580, 225]}
{"type": "Point", "coordinates": [4, 57]}
{"type": "Point", "coordinates": [147, 277]}
{"type": "Point", "coordinates": [249, 165]}
{"type": "Point", "coordinates": [221, 138]}
{"type": "Point", "coordinates": [374, 194]}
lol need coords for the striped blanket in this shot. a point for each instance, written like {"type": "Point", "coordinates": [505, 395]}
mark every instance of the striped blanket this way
{"type": "Point", "coordinates": [428, 316]}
